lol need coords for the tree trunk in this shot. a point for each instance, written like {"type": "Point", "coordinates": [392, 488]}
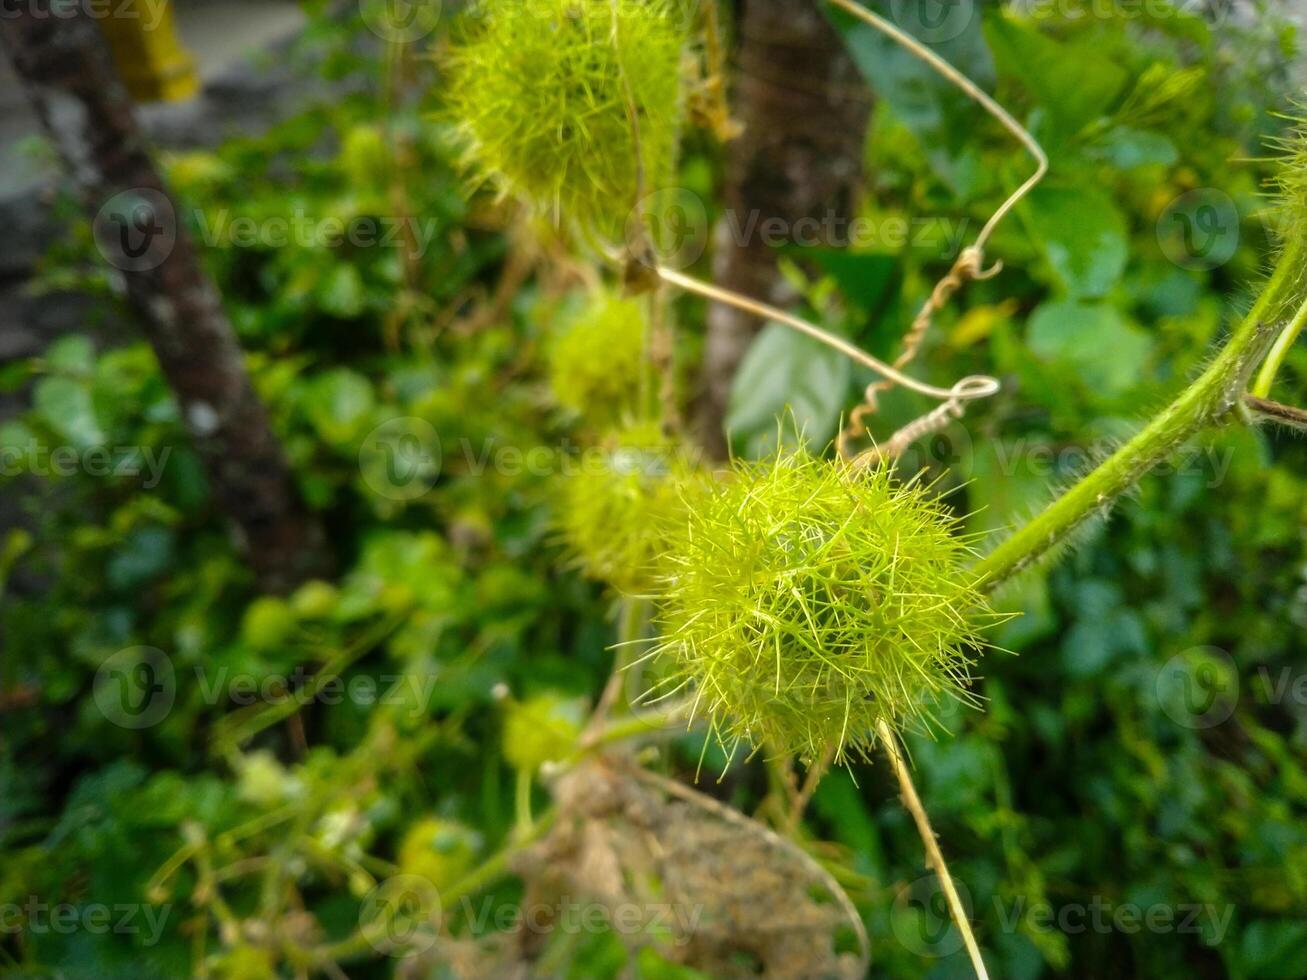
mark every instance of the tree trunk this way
{"type": "Point", "coordinates": [804, 111]}
{"type": "Point", "coordinates": [64, 64]}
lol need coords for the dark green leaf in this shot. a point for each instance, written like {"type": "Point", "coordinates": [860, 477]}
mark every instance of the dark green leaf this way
{"type": "Point", "coordinates": [790, 379]}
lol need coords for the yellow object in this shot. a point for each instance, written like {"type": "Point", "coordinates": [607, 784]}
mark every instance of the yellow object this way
{"type": "Point", "coordinates": [150, 58]}
{"type": "Point", "coordinates": [979, 322]}
{"type": "Point", "coordinates": [442, 851]}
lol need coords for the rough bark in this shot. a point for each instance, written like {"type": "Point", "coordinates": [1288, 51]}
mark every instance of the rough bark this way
{"type": "Point", "coordinates": [65, 67]}
{"type": "Point", "coordinates": [804, 114]}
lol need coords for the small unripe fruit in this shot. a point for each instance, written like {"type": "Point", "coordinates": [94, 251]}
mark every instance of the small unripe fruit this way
{"type": "Point", "coordinates": [616, 512]}
{"type": "Point", "coordinates": [364, 157]}
{"type": "Point", "coordinates": [268, 623]}
{"type": "Point", "coordinates": [264, 781]}
{"type": "Point", "coordinates": [442, 851]}
{"type": "Point", "coordinates": [541, 729]}
{"type": "Point", "coordinates": [315, 600]}
{"type": "Point", "coordinates": [246, 963]}
{"type": "Point", "coordinates": [597, 357]}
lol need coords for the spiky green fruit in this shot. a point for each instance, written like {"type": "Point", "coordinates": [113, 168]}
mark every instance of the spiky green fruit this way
{"type": "Point", "coordinates": [1291, 172]}
{"type": "Point", "coordinates": [1290, 190]}
{"type": "Point", "coordinates": [597, 358]}
{"type": "Point", "coordinates": [542, 92]}
{"type": "Point", "coordinates": [621, 502]}
{"type": "Point", "coordinates": [807, 602]}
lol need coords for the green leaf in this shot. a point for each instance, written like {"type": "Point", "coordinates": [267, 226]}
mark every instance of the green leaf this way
{"type": "Point", "coordinates": [788, 376]}
{"type": "Point", "coordinates": [1089, 341]}
{"type": "Point", "coordinates": [341, 292]}
{"type": "Point", "coordinates": [1027, 597]}
{"type": "Point", "coordinates": [1004, 486]}
{"type": "Point", "coordinates": [865, 278]}
{"type": "Point", "coordinates": [933, 109]}
{"type": "Point", "coordinates": [1125, 148]}
{"type": "Point", "coordinates": [71, 355]}
{"type": "Point", "coordinates": [1073, 82]}
{"type": "Point", "coordinates": [338, 403]}
{"type": "Point", "coordinates": [145, 554]}
{"type": "Point", "coordinates": [65, 406]}
{"type": "Point", "coordinates": [1083, 235]}
{"type": "Point", "coordinates": [1274, 950]}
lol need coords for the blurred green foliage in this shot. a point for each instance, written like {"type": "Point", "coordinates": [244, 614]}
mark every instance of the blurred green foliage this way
{"type": "Point", "coordinates": [1090, 777]}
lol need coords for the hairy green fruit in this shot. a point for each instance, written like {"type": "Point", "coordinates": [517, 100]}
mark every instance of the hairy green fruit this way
{"type": "Point", "coordinates": [807, 602]}
{"type": "Point", "coordinates": [1290, 183]}
{"type": "Point", "coordinates": [622, 502]}
{"type": "Point", "coordinates": [596, 360]}
{"type": "Point", "coordinates": [543, 92]}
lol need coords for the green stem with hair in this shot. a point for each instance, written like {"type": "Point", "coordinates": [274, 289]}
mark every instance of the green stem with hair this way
{"type": "Point", "coordinates": [1208, 401]}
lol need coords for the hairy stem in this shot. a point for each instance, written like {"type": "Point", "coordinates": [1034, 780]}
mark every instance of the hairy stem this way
{"type": "Point", "coordinates": [1208, 401]}
{"type": "Point", "coordinates": [1263, 409]}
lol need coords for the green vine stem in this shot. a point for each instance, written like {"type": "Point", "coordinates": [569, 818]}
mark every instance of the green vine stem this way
{"type": "Point", "coordinates": [1208, 401]}
{"type": "Point", "coordinates": [1279, 351]}
{"type": "Point", "coordinates": [361, 942]}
